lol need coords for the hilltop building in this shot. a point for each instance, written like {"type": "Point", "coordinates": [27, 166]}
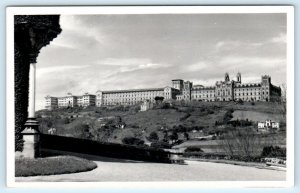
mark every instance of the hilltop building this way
{"type": "Point", "coordinates": [70, 101]}
{"type": "Point", "coordinates": [224, 90]}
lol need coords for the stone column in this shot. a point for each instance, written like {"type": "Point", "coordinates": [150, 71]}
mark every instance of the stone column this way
{"type": "Point", "coordinates": [31, 132]}
{"type": "Point", "coordinates": [31, 104]}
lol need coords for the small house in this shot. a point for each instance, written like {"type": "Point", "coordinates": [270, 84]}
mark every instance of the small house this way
{"type": "Point", "coordinates": [268, 124]}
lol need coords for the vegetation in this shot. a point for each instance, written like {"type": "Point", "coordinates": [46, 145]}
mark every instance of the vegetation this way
{"type": "Point", "coordinates": [52, 166]}
{"type": "Point", "coordinates": [132, 141]}
{"type": "Point", "coordinates": [161, 145]}
{"type": "Point", "coordinates": [229, 126]}
{"type": "Point", "coordinates": [158, 99]}
{"type": "Point", "coordinates": [193, 149]}
{"type": "Point", "coordinates": [153, 137]}
{"type": "Point", "coordinates": [273, 151]}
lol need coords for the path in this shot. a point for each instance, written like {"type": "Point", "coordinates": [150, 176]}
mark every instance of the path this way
{"type": "Point", "coordinates": [119, 170]}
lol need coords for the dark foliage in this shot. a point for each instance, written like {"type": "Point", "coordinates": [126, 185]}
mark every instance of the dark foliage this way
{"type": "Point", "coordinates": [159, 99]}
{"type": "Point", "coordinates": [182, 128]}
{"type": "Point", "coordinates": [228, 116]}
{"type": "Point", "coordinates": [193, 149]}
{"type": "Point", "coordinates": [26, 50]}
{"type": "Point", "coordinates": [173, 136]}
{"type": "Point", "coordinates": [273, 151]}
{"type": "Point", "coordinates": [161, 145]}
{"type": "Point", "coordinates": [153, 137]}
{"type": "Point", "coordinates": [240, 123]}
{"type": "Point", "coordinates": [22, 62]}
{"type": "Point", "coordinates": [132, 141]}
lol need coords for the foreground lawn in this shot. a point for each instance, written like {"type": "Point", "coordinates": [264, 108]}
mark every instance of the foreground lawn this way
{"type": "Point", "coordinates": [52, 165]}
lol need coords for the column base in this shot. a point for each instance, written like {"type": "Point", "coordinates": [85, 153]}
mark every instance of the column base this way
{"type": "Point", "coordinates": [31, 137]}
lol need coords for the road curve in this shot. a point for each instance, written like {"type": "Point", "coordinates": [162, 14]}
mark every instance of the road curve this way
{"type": "Point", "coordinates": [122, 170]}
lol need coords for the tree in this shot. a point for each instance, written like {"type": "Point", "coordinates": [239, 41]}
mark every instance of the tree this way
{"type": "Point", "coordinates": [82, 131]}
{"type": "Point", "coordinates": [158, 99]}
{"type": "Point", "coordinates": [153, 137]}
{"type": "Point", "coordinates": [242, 142]}
{"type": "Point", "coordinates": [173, 136]}
{"type": "Point", "coordinates": [132, 141]}
{"type": "Point", "coordinates": [166, 136]}
{"type": "Point", "coordinates": [186, 136]}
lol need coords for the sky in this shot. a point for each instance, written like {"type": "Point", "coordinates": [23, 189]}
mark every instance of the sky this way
{"type": "Point", "coordinates": [111, 52]}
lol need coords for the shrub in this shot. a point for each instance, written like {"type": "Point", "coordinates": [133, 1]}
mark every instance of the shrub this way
{"type": "Point", "coordinates": [132, 141]}
{"type": "Point", "coordinates": [153, 137]}
{"type": "Point", "coordinates": [161, 145]}
{"type": "Point", "coordinates": [240, 101]}
{"type": "Point", "coordinates": [173, 136]}
{"type": "Point", "coordinates": [177, 142]}
{"type": "Point", "coordinates": [66, 120]}
{"type": "Point", "coordinates": [193, 149]}
{"type": "Point", "coordinates": [228, 116]}
{"type": "Point", "coordinates": [273, 151]}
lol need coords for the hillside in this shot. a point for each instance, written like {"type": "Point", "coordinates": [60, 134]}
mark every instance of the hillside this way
{"type": "Point", "coordinates": [114, 124]}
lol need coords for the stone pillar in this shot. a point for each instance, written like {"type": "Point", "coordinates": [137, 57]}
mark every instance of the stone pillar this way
{"type": "Point", "coordinates": [31, 132]}
{"type": "Point", "coordinates": [31, 104]}
{"type": "Point", "coordinates": [31, 137]}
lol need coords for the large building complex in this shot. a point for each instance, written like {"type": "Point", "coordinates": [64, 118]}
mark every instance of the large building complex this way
{"type": "Point", "coordinates": [226, 90]}
{"type": "Point", "coordinates": [70, 101]}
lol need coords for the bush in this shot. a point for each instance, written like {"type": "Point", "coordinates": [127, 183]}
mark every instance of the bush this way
{"type": "Point", "coordinates": [273, 151]}
{"type": "Point", "coordinates": [193, 149]}
{"type": "Point", "coordinates": [132, 141]}
{"type": "Point", "coordinates": [177, 142]}
{"type": "Point", "coordinates": [153, 137]}
{"type": "Point", "coordinates": [228, 116]}
{"type": "Point", "coordinates": [240, 101]}
{"type": "Point", "coordinates": [161, 145]}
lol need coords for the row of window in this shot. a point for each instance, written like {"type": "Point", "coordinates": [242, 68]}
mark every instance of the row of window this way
{"type": "Point", "coordinates": [130, 95]}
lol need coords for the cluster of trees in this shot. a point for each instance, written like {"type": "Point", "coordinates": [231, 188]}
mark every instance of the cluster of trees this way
{"type": "Point", "coordinates": [244, 143]}
{"type": "Point", "coordinates": [228, 116]}
{"type": "Point", "coordinates": [89, 130]}
{"type": "Point", "coordinates": [183, 129]}
{"type": "Point", "coordinates": [168, 139]}
{"type": "Point", "coordinates": [133, 141]}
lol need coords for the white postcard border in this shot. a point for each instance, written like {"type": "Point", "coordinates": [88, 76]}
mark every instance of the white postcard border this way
{"type": "Point", "coordinates": [11, 11]}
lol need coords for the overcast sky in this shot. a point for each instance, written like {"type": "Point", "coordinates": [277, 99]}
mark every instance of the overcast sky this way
{"type": "Point", "coordinates": [108, 52]}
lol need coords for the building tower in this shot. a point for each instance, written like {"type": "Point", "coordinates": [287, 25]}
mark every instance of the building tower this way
{"type": "Point", "coordinates": [178, 84]}
{"type": "Point", "coordinates": [239, 77]}
{"type": "Point", "coordinates": [227, 77]}
{"type": "Point", "coordinates": [187, 88]}
{"type": "Point", "coordinates": [265, 88]}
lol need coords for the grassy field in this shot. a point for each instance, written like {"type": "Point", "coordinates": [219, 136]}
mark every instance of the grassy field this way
{"type": "Point", "coordinates": [257, 116]}
{"type": "Point", "coordinates": [52, 166]}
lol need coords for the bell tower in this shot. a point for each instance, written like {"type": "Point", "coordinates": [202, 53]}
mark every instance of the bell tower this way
{"type": "Point", "coordinates": [239, 77]}
{"type": "Point", "coordinates": [227, 77]}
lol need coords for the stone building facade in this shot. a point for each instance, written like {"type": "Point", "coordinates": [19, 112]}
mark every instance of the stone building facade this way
{"type": "Point", "coordinates": [51, 102]}
{"type": "Point", "coordinates": [70, 101]}
{"type": "Point", "coordinates": [225, 90]}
